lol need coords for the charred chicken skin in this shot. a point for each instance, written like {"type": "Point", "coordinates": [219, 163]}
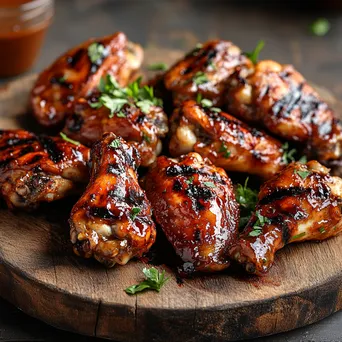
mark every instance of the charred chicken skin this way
{"type": "Point", "coordinates": [36, 169]}
{"type": "Point", "coordinates": [78, 72]}
{"type": "Point", "coordinates": [206, 71]}
{"type": "Point", "coordinates": [303, 202]}
{"type": "Point", "coordinates": [144, 130]}
{"type": "Point", "coordinates": [194, 203]}
{"type": "Point", "coordinates": [225, 140]}
{"type": "Point", "coordinates": [280, 99]}
{"type": "Point", "coordinates": [112, 220]}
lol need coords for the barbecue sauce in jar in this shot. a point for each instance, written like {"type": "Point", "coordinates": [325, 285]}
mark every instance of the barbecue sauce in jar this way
{"type": "Point", "coordinates": [23, 24]}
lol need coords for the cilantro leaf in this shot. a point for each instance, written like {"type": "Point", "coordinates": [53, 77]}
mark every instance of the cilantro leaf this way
{"type": "Point", "coordinates": [96, 52]}
{"type": "Point", "coordinates": [302, 174]}
{"type": "Point", "coordinates": [254, 55]}
{"type": "Point", "coordinates": [65, 137]}
{"type": "Point", "coordinates": [134, 213]}
{"type": "Point", "coordinates": [259, 223]}
{"type": "Point", "coordinates": [158, 67]}
{"type": "Point", "coordinates": [113, 104]}
{"type": "Point", "coordinates": [154, 281]}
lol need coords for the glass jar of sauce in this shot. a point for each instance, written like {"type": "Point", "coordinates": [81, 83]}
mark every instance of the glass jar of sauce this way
{"type": "Point", "coordinates": [23, 24]}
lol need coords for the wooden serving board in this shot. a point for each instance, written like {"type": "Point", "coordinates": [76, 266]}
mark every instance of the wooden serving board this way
{"type": "Point", "coordinates": [40, 275]}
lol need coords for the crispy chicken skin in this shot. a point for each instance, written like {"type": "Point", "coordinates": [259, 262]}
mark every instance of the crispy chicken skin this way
{"type": "Point", "coordinates": [194, 203]}
{"type": "Point", "coordinates": [36, 169]}
{"type": "Point", "coordinates": [280, 99]}
{"type": "Point", "coordinates": [143, 130]}
{"type": "Point", "coordinates": [74, 75]}
{"type": "Point", "coordinates": [206, 70]}
{"type": "Point", "coordinates": [302, 202]}
{"type": "Point", "coordinates": [112, 220]}
{"type": "Point", "coordinates": [225, 140]}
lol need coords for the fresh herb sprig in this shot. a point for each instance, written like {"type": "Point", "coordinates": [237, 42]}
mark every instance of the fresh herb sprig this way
{"type": "Point", "coordinates": [154, 281]}
{"type": "Point", "coordinates": [205, 103]}
{"type": "Point", "coordinates": [115, 97]}
{"type": "Point", "coordinates": [289, 155]}
{"type": "Point", "coordinates": [254, 55]}
{"type": "Point", "coordinates": [259, 223]}
{"type": "Point", "coordinates": [96, 52]}
{"type": "Point", "coordinates": [66, 138]}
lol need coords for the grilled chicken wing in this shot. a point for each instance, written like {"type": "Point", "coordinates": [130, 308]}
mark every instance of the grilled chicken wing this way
{"type": "Point", "coordinates": [206, 70]}
{"type": "Point", "coordinates": [194, 203]}
{"type": "Point", "coordinates": [78, 72]}
{"type": "Point", "coordinates": [143, 130]}
{"type": "Point", "coordinates": [302, 202]}
{"type": "Point", "coordinates": [36, 169]}
{"type": "Point", "coordinates": [280, 99]}
{"type": "Point", "coordinates": [226, 141]}
{"type": "Point", "coordinates": [112, 220]}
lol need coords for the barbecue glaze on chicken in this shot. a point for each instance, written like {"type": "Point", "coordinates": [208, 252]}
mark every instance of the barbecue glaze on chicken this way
{"type": "Point", "coordinates": [37, 168]}
{"type": "Point", "coordinates": [279, 98]}
{"type": "Point", "coordinates": [302, 202]}
{"type": "Point", "coordinates": [77, 73]}
{"type": "Point", "coordinates": [206, 71]}
{"type": "Point", "coordinates": [194, 203]}
{"type": "Point", "coordinates": [112, 220]}
{"type": "Point", "coordinates": [142, 130]}
{"type": "Point", "coordinates": [225, 140]}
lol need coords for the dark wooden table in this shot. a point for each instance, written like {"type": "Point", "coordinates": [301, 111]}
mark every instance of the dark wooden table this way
{"type": "Point", "coordinates": [180, 25]}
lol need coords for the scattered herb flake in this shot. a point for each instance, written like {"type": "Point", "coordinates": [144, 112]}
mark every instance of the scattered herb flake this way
{"type": "Point", "coordinates": [200, 78]}
{"type": "Point", "coordinates": [288, 155]}
{"type": "Point", "coordinates": [295, 237]}
{"type": "Point", "coordinates": [224, 150]}
{"type": "Point", "coordinates": [199, 98]}
{"type": "Point", "coordinates": [254, 55]}
{"type": "Point", "coordinates": [303, 160]}
{"type": "Point", "coordinates": [302, 174]}
{"type": "Point", "coordinates": [96, 52]}
{"type": "Point", "coordinates": [134, 212]}
{"type": "Point", "coordinates": [115, 143]}
{"type": "Point", "coordinates": [95, 104]}
{"type": "Point", "coordinates": [62, 79]}
{"type": "Point", "coordinates": [65, 137]}
{"type": "Point", "coordinates": [322, 230]}
{"type": "Point", "coordinates": [154, 281]}
{"type": "Point", "coordinates": [146, 137]}
{"type": "Point", "coordinates": [190, 180]}
{"type": "Point", "coordinates": [320, 27]}
{"type": "Point", "coordinates": [158, 67]}
{"type": "Point", "coordinates": [209, 184]}
{"type": "Point", "coordinates": [259, 223]}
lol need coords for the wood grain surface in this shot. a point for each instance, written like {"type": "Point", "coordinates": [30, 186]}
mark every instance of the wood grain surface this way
{"type": "Point", "coordinates": [40, 275]}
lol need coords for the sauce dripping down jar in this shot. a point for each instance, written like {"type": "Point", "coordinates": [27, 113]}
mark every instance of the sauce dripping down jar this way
{"type": "Point", "coordinates": [23, 24]}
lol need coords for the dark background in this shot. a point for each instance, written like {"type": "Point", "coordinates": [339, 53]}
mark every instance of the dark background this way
{"type": "Point", "coordinates": [284, 25]}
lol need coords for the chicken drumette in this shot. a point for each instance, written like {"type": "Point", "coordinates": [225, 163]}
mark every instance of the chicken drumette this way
{"type": "Point", "coordinates": [112, 220]}
{"type": "Point", "coordinates": [303, 202]}
{"type": "Point", "coordinates": [194, 203]}
{"type": "Point", "coordinates": [36, 169]}
{"type": "Point", "coordinates": [226, 141]}
{"type": "Point", "coordinates": [206, 70]}
{"type": "Point", "coordinates": [279, 98]}
{"type": "Point", "coordinates": [142, 127]}
{"type": "Point", "coordinates": [78, 72]}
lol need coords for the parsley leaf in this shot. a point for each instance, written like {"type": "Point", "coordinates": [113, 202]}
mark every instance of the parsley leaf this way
{"type": "Point", "coordinates": [158, 67]}
{"type": "Point", "coordinates": [115, 143]}
{"type": "Point", "coordinates": [224, 150]}
{"type": "Point", "coordinates": [154, 281]}
{"type": "Point", "coordinates": [134, 212]}
{"type": "Point", "coordinates": [320, 27]}
{"type": "Point", "coordinates": [113, 104]}
{"type": "Point", "coordinates": [303, 160]}
{"type": "Point", "coordinates": [302, 174]}
{"type": "Point", "coordinates": [200, 78]}
{"type": "Point", "coordinates": [65, 137]}
{"type": "Point", "coordinates": [254, 55]}
{"type": "Point", "coordinates": [96, 52]}
{"type": "Point", "coordinates": [259, 223]}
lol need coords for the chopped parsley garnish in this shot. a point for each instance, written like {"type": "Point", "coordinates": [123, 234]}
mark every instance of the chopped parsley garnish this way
{"type": "Point", "coordinates": [224, 150]}
{"type": "Point", "coordinates": [322, 230]}
{"type": "Point", "coordinates": [302, 174]}
{"type": "Point", "coordinates": [295, 237]}
{"type": "Point", "coordinates": [254, 55]}
{"type": "Point", "coordinates": [65, 137]}
{"type": "Point", "coordinates": [96, 52]}
{"type": "Point", "coordinates": [158, 67]}
{"type": "Point", "coordinates": [200, 78]}
{"type": "Point", "coordinates": [134, 212]}
{"type": "Point", "coordinates": [209, 184]}
{"type": "Point", "coordinates": [154, 281]}
{"type": "Point", "coordinates": [190, 180]}
{"type": "Point", "coordinates": [320, 27]}
{"type": "Point", "coordinates": [246, 196]}
{"type": "Point", "coordinates": [259, 223]}
{"type": "Point", "coordinates": [115, 97]}
{"type": "Point", "coordinates": [115, 143]}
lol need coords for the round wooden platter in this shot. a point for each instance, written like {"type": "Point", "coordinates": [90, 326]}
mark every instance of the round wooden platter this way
{"type": "Point", "coordinates": [40, 275]}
